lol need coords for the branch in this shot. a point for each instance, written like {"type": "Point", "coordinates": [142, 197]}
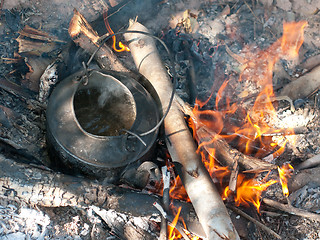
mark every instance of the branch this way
{"type": "Point", "coordinates": [203, 194]}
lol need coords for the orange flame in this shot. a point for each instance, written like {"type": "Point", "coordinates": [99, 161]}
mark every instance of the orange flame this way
{"type": "Point", "coordinates": [122, 46]}
{"type": "Point", "coordinates": [171, 233]}
{"type": "Point", "coordinates": [285, 172]}
{"type": "Point", "coordinates": [259, 71]}
{"type": "Point", "coordinates": [250, 190]}
{"type": "Point", "coordinates": [177, 191]}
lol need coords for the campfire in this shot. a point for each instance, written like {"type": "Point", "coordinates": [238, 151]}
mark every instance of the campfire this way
{"type": "Point", "coordinates": [189, 129]}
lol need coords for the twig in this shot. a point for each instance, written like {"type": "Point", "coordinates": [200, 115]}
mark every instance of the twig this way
{"type": "Point", "coordinates": [165, 215]}
{"type": "Point", "coordinates": [256, 222]}
{"type": "Point", "coordinates": [165, 201]}
{"type": "Point", "coordinates": [292, 210]}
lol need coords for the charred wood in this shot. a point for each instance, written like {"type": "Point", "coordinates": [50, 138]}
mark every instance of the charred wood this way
{"type": "Point", "coordinates": [303, 86]}
{"type": "Point", "coordinates": [224, 154]}
{"type": "Point", "coordinates": [288, 208]}
{"type": "Point", "coordinates": [84, 36]}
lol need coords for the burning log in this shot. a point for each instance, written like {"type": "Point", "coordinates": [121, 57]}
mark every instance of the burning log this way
{"type": "Point", "coordinates": [83, 35]}
{"type": "Point", "coordinates": [303, 86]}
{"type": "Point", "coordinates": [203, 194]}
{"type": "Point", "coordinates": [224, 153]}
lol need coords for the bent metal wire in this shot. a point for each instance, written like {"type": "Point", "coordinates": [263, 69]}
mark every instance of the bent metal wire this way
{"type": "Point", "coordinates": [85, 78]}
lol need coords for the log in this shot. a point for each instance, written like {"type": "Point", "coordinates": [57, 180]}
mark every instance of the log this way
{"type": "Point", "coordinates": [84, 36]}
{"type": "Point", "coordinates": [309, 163]}
{"type": "Point", "coordinates": [303, 86]}
{"type": "Point", "coordinates": [203, 194]}
{"type": "Point", "coordinates": [303, 177]}
{"type": "Point", "coordinates": [224, 154]}
{"type": "Point", "coordinates": [42, 187]}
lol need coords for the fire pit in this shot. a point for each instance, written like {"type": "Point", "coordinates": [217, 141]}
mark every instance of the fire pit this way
{"type": "Point", "coordinates": [88, 123]}
{"type": "Point", "coordinates": [235, 153]}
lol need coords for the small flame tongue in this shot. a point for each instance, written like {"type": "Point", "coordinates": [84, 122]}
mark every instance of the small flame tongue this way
{"type": "Point", "coordinates": [285, 172]}
{"type": "Point", "coordinates": [122, 47]}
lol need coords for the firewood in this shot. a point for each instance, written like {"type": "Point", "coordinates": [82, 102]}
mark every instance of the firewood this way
{"type": "Point", "coordinates": [303, 86]}
{"type": "Point", "coordinates": [203, 194]}
{"type": "Point", "coordinates": [39, 186]}
{"type": "Point", "coordinates": [84, 36]}
{"type": "Point", "coordinates": [303, 177]}
{"type": "Point", "coordinates": [311, 162]}
{"type": "Point", "coordinates": [256, 222]}
{"type": "Point", "coordinates": [35, 42]}
{"type": "Point", "coordinates": [288, 208]}
{"type": "Point", "coordinates": [224, 154]}
{"type": "Point", "coordinates": [15, 89]}
{"type": "Point", "coordinates": [310, 63]}
{"type": "Point", "coordinates": [32, 33]}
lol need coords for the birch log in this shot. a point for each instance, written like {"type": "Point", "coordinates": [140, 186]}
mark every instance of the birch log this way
{"type": "Point", "coordinates": [203, 194]}
{"type": "Point", "coordinates": [45, 188]}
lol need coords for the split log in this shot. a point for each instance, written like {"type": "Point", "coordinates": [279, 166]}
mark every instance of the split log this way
{"type": "Point", "coordinates": [303, 86]}
{"type": "Point", "coordinates": [84, 36]}
{"type": "Point", "coordinates": [203, 194]}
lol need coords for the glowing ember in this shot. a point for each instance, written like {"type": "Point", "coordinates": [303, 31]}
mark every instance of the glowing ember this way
{"type": "Point", "coordinates": [284, 173]}
{"type": "Point", "coordinates": [122, 47]}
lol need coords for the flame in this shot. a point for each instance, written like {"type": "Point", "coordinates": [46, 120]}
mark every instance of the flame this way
{"type": "Point", "coordinates": [177, 191]}
{"type": "Point", "coordinates": [285, 172]}
{"type": "Point", "coordinates": [122, 46]}
{"type": "Point", "coordinates": [171, 233]}
{"type": "Point", "coordinates": [258, 70]}
{"type": "Point", "coordinates": [250, 190]}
